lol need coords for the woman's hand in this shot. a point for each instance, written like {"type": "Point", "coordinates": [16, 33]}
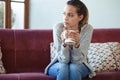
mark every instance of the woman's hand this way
{"type": "Point", "coordinates": [75, 36]}
{"type": "Point", "coordinates": [63, 37]}
{"type": "Point", "coordinates": [72, 34]}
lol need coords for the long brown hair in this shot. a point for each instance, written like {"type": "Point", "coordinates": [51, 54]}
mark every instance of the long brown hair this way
{"type": "Point", "coordinates": [81, 10]}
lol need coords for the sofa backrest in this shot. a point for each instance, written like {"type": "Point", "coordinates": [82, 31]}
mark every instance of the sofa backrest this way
{"type": "Point", "coordinates": [25, 50]}
{"type": "Point", "coordinates": [106, 35]}
{"type": "Point", "coordinates": [29, 50]}
{"type": "Point", "coordinates": [7, 47]}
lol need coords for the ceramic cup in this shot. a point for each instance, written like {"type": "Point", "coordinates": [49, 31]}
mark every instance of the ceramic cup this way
{"type": "Point", "coordinates": [68, 39]}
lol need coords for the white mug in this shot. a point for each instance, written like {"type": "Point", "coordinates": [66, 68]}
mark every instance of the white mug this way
{"type": "Point", "coordinates": [69, 40]}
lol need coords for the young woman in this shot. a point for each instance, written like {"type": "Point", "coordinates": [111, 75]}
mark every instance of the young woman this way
{"type": "Point", "coordinates": [70, 61]}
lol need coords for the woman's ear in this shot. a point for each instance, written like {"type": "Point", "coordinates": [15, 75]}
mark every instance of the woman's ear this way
{"type": "Point", "coordinates": [81, 17]}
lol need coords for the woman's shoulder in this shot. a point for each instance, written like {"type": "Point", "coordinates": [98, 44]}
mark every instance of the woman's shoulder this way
{"type": "Point", "coordinates": [58, 26]}
{"type": "Point", "coordinates": [87, 27]}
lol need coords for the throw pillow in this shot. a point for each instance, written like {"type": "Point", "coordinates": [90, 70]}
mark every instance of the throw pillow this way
{"type": "Point", "coordinates": [52, 50]}
{"type": "Point", "coordinates": [104, 56]}
{"type": "Point", "coordinates": [2, 69]}
{"type": "Point", "coordinates": [115, 47]}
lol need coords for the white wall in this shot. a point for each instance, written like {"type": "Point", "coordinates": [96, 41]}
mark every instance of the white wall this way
{"type": "Point", "coordinates": [103, 13]}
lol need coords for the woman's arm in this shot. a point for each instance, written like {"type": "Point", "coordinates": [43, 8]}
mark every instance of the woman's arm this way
{"type": "Point", "coordinates": [85, 39]}
{"type": "Point", "coordinates": [62, 52]}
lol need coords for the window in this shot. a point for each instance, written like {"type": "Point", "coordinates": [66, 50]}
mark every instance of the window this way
{"type": "Point", "coordinates": [2, 12]}
{"type": "Point", "coordinates": [14, 14]}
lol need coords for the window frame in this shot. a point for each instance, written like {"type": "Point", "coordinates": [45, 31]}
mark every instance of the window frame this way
{"type": "Point", "coordinates": [8, 14]}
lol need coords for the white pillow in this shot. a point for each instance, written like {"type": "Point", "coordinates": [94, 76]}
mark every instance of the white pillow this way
{"type": "Point", "coordinates": [2, 69]}
{"type": "Point", "coordinates": [52, 50]}
{"type": "Point", "coordinates": [104, 56]}
{"type": "Point", "coordinates": [116, 52]}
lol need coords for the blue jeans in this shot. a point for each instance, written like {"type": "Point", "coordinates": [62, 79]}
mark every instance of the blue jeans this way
{"type": "Point", "coordinates": [71, 71]}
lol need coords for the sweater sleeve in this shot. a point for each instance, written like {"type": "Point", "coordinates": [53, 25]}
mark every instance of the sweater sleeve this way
{"type": "Point", "coordinates": [85, 39]}
{"type": "Point", "coordinates": [61, 51]}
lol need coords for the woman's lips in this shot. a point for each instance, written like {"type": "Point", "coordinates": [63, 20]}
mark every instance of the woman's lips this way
{"type": "Point", "coordinates": [65, 23]}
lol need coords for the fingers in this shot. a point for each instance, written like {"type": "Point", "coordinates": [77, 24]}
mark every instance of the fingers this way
{"type": "Point", "coordinates": [74, 35]}
{"type": "Point", "coordinates": [63, 36]}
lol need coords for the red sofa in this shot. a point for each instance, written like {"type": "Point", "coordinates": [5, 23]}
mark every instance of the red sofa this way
{"type": "Point", "coordinates": [26, 53]}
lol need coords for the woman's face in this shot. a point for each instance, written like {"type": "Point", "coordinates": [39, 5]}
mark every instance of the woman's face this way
{"type": "Point", "coordinates": [71, 18]}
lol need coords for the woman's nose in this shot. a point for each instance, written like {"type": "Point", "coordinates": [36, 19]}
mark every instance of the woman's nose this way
{"type": "Point", "coordinates": [65, 18]}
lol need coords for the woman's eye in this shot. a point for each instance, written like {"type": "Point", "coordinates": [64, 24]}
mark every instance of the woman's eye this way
{"type": "Point", "coordinates": [70, 15]}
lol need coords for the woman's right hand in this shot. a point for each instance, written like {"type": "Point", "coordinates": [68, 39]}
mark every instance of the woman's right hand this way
{"type": "Point", "coordinates": [74, 35]}
{"type": "Point", "coordinates": [64, 36]}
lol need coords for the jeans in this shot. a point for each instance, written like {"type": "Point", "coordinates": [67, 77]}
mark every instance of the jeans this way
{"type": "Point", "coordinates": [71, 71]}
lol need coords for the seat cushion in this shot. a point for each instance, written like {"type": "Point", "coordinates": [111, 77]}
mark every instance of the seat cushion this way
{"type": "Point", "coordinates": [26, 76]}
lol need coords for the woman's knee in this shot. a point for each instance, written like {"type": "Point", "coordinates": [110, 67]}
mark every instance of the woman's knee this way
{"type": "Point", "coordinates": [74, 72]}
{"type": "Point", "coordinates": [63, 73]}
{"type": "Point", "coordinates": [64, 67]}
{"type": "Point", "coordinates": [79, 69]}
{"type": "Point", "coordinates": [74, 67]}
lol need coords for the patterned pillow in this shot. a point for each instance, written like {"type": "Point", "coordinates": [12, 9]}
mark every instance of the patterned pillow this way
{"type": "Point", "coordinates": [104, 56]}
{"type": "Point", "coordinates": [52, 50]}
{"type": "Point", "coordinates": [2, 69]}
{"type": "Point", "coordinates": [115, 47]}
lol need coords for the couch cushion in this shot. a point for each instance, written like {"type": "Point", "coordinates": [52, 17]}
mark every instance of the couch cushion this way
{"type": "Point", "coordinates": [104, 56]}
{"type": "Point", "coordinates": [106, 35]}
{"type": "Point", "coordinates": [2, 69]}
{"type": "Point", "coordinates": [26, 76]}
{"type": "Point", "coordinates": [8, 49]}
{"type": "Point", "coordinates": [32, 50]}
{"type": "Point", "coordinates": [115, 47]}
{"type": "Point", "coordinates": [106, 76]}
{"type": "Point", "coordinates": [52, 50]}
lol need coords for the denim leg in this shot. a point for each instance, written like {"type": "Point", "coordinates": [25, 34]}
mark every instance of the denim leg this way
{"type": "Point", "coordinates": [59, 70]}
{"type": "Point", "coordinates": [78, 71]}
{"type": "Point", "coordinates": [53, 69]}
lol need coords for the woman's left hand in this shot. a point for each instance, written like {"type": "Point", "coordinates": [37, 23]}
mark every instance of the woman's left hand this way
{"type": "Point", "coordinates": [75, 36]}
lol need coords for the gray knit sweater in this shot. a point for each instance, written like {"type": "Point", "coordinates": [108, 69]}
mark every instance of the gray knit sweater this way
{"type": "Point", "coordinates": [79, 55]}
